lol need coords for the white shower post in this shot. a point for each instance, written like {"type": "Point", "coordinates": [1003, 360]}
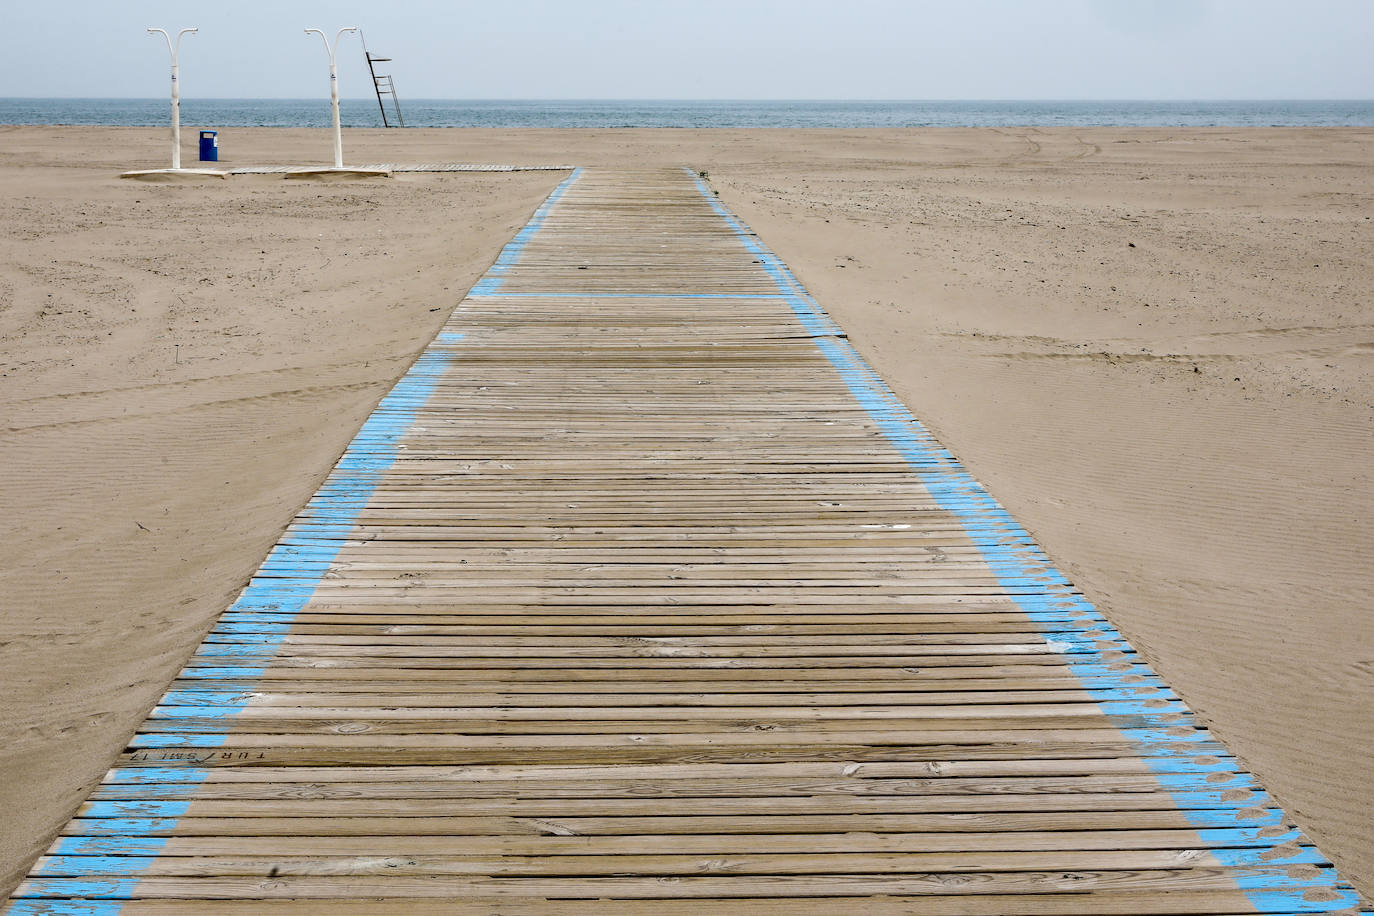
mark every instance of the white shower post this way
{"type": "Point", "coordinates": [175, 50]}
{"type": "Point", "coordinates": [334, 88]}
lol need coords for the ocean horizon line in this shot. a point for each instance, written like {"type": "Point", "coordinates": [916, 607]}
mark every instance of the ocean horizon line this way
{"type": "Point", "coordinates": [694, 113]}
{"type": "Point", "coordinates": [1105, 100]}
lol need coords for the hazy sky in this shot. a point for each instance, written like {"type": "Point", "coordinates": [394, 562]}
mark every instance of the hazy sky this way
{"type": "Point", "coordinates": [717, 49]}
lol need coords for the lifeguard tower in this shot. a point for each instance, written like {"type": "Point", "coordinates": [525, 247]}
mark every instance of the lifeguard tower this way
{"type": "Point", "coordinates": [384, 86]}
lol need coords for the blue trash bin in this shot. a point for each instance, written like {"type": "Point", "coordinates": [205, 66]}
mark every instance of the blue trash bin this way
{"type": "Point", "coordinates": [209, 146]}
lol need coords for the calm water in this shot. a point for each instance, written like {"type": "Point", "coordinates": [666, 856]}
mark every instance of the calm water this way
{"type": "Point", "coordinates": [212, 113]}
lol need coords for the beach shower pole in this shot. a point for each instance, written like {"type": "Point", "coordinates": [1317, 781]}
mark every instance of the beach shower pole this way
{"type": "Point", "coordinates": [174, 50]}
{"type": "Point", "coordinates": [334, 88]}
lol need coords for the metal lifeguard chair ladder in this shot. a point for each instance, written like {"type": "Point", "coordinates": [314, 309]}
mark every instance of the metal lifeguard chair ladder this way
{"type": "Point", "coordinates": [384, 85]}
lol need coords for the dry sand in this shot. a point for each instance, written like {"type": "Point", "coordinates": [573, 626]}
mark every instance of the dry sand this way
{"type": "Point", "coordinates": [1156, 347]}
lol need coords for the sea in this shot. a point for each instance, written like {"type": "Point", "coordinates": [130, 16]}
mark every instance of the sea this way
{"type": "Point", "coordinates": [211, 113]}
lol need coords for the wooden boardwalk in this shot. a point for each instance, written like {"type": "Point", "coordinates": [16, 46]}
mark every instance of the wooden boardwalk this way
{"type": "Point", "coordinates": [403, 167]}
{"type": "Point", "coordinates": [641, 593]}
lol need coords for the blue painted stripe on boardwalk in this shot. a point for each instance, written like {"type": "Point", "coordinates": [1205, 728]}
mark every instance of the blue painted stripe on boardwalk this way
{"type": "Point", "coordinates": [1013, 557]}
{"type": "Point", "coordinates": [94, 907]}
{"type": "Point", "coordinates": [766, 297]}
{"type": "Point", "coordinates": [273, 605]}
{"type": "Point", "coordinates": [807, 310]}
{"type": "Point", "coordinates": [510, 255]}
{"type": "Point", "coordinates": [138, 839]}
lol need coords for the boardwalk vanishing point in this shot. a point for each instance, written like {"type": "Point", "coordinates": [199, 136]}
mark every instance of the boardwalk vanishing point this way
{"type": "Point", "coordinates": [642, 593]}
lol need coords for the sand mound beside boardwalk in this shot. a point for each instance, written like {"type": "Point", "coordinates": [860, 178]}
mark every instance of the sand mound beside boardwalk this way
{"type": "Point", "coordinates": [168, 176]}
{"type": "Point", "coordinates": [183, 363]}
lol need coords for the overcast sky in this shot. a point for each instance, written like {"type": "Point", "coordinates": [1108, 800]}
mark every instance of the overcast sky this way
{"type": "Point", "coordinates": [704, 49]}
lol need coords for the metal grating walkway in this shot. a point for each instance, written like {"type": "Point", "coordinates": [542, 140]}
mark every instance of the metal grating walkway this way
{"type": "Point", "coordinates": [641, 593]}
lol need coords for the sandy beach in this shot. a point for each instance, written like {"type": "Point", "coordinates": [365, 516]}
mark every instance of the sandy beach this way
{"type": "Point", "coordinates": [1155, 347]}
